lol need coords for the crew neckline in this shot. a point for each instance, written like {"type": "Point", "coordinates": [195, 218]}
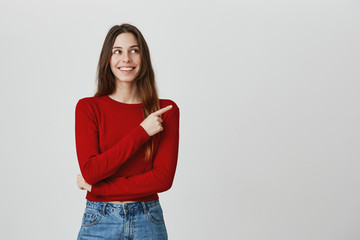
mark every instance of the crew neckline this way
{"type": "Point", "coordinates": [122, 103]}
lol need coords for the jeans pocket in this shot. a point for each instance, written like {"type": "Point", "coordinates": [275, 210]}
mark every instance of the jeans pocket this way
{"type": "Point", "coordinates": [155, 214]}
{"type": "Point", "coordinates": [91, 217]}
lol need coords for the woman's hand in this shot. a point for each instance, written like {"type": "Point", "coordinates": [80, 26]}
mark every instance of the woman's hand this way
{"type": "Point", "coordinates": [152, 124]}
{"type": "Point", "coordinates": [82, 184]}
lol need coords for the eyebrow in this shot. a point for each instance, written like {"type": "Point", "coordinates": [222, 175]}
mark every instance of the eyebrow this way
{"type": "Point", "coordinates": [130, 46]}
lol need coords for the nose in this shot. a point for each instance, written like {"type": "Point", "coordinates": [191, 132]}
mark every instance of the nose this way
{"type": "Point", "coordinates": [125, 57]}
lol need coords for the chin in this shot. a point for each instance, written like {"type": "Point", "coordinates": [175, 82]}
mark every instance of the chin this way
{"type": "Point", "coordinates": [126, 79]}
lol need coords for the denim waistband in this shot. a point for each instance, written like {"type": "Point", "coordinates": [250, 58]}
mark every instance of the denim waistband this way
{"type": "Point", "coordinates": [122, 207]}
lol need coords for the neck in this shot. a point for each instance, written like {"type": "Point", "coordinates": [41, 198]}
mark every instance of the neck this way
{"type": "Point", "coordinates": [126, 92]}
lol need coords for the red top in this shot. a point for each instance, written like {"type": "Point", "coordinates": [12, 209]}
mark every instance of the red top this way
{"type": "Point", "coordinates": [111, 151]}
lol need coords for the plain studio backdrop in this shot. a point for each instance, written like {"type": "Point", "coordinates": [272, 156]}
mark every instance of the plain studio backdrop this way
{"type": "Point", "coordinates": [269, 98]}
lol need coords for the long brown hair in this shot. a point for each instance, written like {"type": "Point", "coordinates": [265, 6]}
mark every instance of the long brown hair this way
{"type": "Point", "coordinates": [145, 81]}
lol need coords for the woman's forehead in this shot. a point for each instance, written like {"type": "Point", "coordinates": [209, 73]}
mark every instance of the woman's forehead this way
{"type": "Point", "coordinates": [125, 40]}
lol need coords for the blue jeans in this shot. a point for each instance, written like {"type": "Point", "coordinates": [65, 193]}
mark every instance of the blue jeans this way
{"type": "Point", "coordinates": [130, 221]}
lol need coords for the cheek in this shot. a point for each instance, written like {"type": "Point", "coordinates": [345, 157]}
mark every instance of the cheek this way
{"type": "Point", "coordinates": [113, 60]}
{"type": "Point", "coordinates": [138, 60]}
{"type": "Point", "coordinates": [113, 64]}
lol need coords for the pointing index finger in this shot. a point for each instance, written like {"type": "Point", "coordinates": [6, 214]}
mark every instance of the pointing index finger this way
{"type": "Point", "coordinates": [162, 110]}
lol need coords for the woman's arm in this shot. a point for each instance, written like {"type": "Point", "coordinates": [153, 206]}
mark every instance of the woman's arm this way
{"type": "Point", "coordinates": [95, 166]}
{"type": "Point", "coordinates": [160, 178]}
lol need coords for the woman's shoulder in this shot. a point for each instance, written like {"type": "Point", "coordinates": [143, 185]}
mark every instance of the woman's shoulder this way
{"type": "Point", "coordinates": [90, 100]}
{"type": "Point", "coordinates": [166, 102]}
{"type": "Point", "coordinates": [174, 111]}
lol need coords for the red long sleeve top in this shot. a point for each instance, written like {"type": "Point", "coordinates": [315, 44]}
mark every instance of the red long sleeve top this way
{"type": "Point", "coordinates": [111, 151]}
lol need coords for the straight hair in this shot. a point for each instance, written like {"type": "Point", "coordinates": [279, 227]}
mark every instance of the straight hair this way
{"type": "Point", "coordinates": [145, 81]}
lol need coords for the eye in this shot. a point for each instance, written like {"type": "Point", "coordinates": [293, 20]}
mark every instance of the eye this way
{"type": "Point", "coordinates": [117, 51]}
{"type": "Point", "coordinates": [135, 50]}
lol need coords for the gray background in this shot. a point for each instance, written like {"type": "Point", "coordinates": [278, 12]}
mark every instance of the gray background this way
{"type": "Point", "coordinates": [268, 93]}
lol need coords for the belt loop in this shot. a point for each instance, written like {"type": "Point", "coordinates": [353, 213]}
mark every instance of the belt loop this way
{"type": "Point", "coordinates": [104, 208]}
{"type": "Point", "coordinates": [144, 207]}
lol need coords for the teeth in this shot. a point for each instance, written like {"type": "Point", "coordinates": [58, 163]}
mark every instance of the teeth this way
{"type": "Point", "coordinates": [126, 68]}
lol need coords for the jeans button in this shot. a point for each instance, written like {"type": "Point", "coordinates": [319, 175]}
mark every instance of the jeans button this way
{"type": "Point", "coordinates": [126, 208]}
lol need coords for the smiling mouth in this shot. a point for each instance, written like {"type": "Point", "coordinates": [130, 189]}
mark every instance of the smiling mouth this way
{"type": "Point", "coordinates": [126, 68]}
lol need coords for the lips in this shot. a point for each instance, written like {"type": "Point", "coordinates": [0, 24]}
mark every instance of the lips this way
{"type": "Point", "coordinates": [126, 68]}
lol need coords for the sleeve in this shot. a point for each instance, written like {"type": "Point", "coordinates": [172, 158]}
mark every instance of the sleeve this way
{"type": "Point", "coordinates": [160, 178]}
{"type": "Point", "coordinates": [95, 166]}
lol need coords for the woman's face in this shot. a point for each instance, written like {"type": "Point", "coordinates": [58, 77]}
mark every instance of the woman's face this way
{"type": "Point", "coordinates": [125, 61]}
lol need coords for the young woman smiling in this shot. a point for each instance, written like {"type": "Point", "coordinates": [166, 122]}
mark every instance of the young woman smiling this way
{"type": "Point", "coordinates": [126, 142]}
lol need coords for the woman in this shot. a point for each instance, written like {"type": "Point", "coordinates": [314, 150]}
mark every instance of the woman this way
{"type": "Point", "coordinates": [126, 142]}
